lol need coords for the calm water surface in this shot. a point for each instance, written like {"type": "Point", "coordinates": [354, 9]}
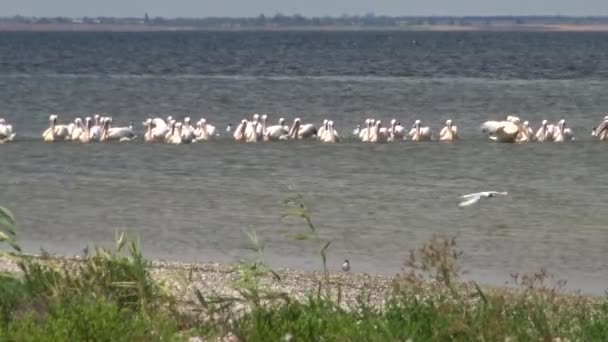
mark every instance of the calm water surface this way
{"type": "Point", "coordinates": [375, 203]}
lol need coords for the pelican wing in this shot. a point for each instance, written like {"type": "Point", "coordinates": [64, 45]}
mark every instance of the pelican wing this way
{"type": "Point", "coordinates": [470, 201]}
{"type": "Point", "coordinates": [489, 127]}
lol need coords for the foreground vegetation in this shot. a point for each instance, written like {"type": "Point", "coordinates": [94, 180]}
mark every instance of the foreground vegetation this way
{"type": "Point", "coordinates": [110, 295]}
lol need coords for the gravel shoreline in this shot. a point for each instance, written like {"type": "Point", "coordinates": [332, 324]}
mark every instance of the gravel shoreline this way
{"type": "Point", "coordinates": [215, 280]}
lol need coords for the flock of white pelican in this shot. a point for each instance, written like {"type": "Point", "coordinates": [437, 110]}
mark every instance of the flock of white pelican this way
{"type": "Point", "coordinates": [99, 129]}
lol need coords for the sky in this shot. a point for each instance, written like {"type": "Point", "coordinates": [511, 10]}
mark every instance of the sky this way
{"type": "Point", "coordinates": [249, 8]}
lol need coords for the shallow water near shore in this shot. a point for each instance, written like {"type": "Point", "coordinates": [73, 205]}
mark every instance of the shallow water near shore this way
{"type": "Point", "coordinates": [375, 202]}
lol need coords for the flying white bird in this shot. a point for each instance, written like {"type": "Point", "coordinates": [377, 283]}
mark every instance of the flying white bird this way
{"type": "Point", "coordinates": [346, 266]}
{"type": "Point", "coordinates": [475, 197]}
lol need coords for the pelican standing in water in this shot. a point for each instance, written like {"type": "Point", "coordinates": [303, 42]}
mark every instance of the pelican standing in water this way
{"type": "Point", "coordinates": [239, 132]}
{"type": "Point", "coordinates": [275, 132]}
{"type": "Point", "coordinates": [449, 132]}
{"type": "Point", "coordinates": [396, 132]}
{"type": "Point", "coordinates": [420, 133]}
{"type": "Point", "coordinates": [473, 198]}
{"type": "Point", "coordinates": [6, 132]}
{"type": "Point", "coordinates": [502, 131]}
{"type": "Point", "coordinates": [302, 131]}
{"type": "Point", "coordinates": [55, 132]}
{"type": "Point", "coordinates": [562, 132]}
{"type": "Point", "coordinates": [545, 133]}
{"type": "Point", "coordinates": [601, 131]}
{"type": "Point", "coordinates": [109, 133]}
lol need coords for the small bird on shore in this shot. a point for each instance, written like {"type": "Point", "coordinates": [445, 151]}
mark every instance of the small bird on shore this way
{"type": "Point", "coordinates": [475, 197]}
{"type": "Point", "coordinates": [346, 266]}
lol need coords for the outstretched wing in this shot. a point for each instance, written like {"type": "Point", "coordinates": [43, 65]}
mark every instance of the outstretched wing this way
{"type": "Point", "coordinates": [469, 201]}
{"type": "Point", "coordinates": [475, 194]}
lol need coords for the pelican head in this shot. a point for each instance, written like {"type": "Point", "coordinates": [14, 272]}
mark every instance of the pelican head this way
{"type": "Point", "coordinates": [204, 121]}
{"type": "Point", "coordinates": [330, 123]}
{"type": "Point", "coordinates": [544, 123]}
{"type": "Point", "coordinates": [416, 123]}
{"type": "Point", "coordinates": [282, 121]}
{"type": "Point", "coordinates": [526, 124]}
{"type": "Point", "coordinates": [2, 122]}
{"type": "Point", "coordinates": [448, 123]}
{"type": "Point", "coordinates": [256, 117]}
{"type": "Point", "coordinates": [187, 120]}
{"type": "Point", "coordinates": [297, 120]}
{"type": "Point", "coordinates": [393, 122]}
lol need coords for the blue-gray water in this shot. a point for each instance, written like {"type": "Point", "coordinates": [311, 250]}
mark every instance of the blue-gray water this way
{"type": "Point", "coordinates": [375, 202]}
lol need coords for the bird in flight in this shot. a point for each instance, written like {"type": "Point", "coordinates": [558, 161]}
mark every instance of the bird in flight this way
{"type": "Point", "coordinates": [346, 266]}
{"type": "Point", "coordinates": [475, 197]}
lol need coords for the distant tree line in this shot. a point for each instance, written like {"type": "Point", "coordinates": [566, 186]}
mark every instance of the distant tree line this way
{"type": "Point", "coordinates": [297, 20]}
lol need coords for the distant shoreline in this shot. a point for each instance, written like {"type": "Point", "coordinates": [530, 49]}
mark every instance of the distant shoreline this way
{"type": "Point", "coordinates": [14, 27]}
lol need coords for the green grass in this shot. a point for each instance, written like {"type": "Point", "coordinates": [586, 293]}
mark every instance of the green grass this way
{"type": "Point", "coordinates": [111, 296]}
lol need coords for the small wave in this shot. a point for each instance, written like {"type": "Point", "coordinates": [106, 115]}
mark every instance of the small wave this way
{"type": "Point", "coordinates": [329, 78]}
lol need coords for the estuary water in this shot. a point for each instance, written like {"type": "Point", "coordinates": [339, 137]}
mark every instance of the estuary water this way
{"type": "Point", "coordinates": [374, 202]}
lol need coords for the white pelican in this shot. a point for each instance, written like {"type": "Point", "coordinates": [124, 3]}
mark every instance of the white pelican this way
{"type": "Point", "coordinates": [330, 135]}
{"type": "Point", "coordinates": [256, 125]}
{"type": "Point", "coordinates": [95, 132]}
{"type": "Point", "coordinates": [187, 130]}
{"type": "Point", "coordinates": [449, 132]}
{"type": "Point", "coordinates": [526, 134]}
{"type": "Point", "coordinates": [475, 197]}
{"type": "Point", "coordinates": [156, 130]}
{"type": "Point", "coordinates": [274, 132]}
{"type": "Point", "coordinates": [321, 130]}
{"type": "Point", "coordinates": [379, 134]}
{"type": "Point", "coordinates": [251, 130]}
{"type": "Point", "coordinates": [544, 133]}
{"type": "Point", "coordinates": [366, 132]}
{"type": "Point", "coordinates": [301, 131]}
{"type": "Point", "coordinates": [396, 131]}
{"type": "Point", "coordinates": [209, 128]}
{"type": "Point", "coordinates": [77, 129]}
{"type": "Point", "coordinates": [420, 133]}
{"type": "Point", "coordinates": [502, 131]}
{"type": "Point", "coordinates": [85, 136]}
{"type": "Point", "coordinates": [239, 132]}
{"type": "Point", "coordinates": [601, 131]}
{"type": "Point", "coordinates": [55, 132]}
{"type": "Point", "coordinates": [110, 133]}
{"type": "Point", "coordinates": [562, 133]}
{"type": "Point", "coordinates": [565, 132]}
{"type": "Point", "coordinates": [175, 134]}
{"type": "Point", "coordinates": [6, 132]}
